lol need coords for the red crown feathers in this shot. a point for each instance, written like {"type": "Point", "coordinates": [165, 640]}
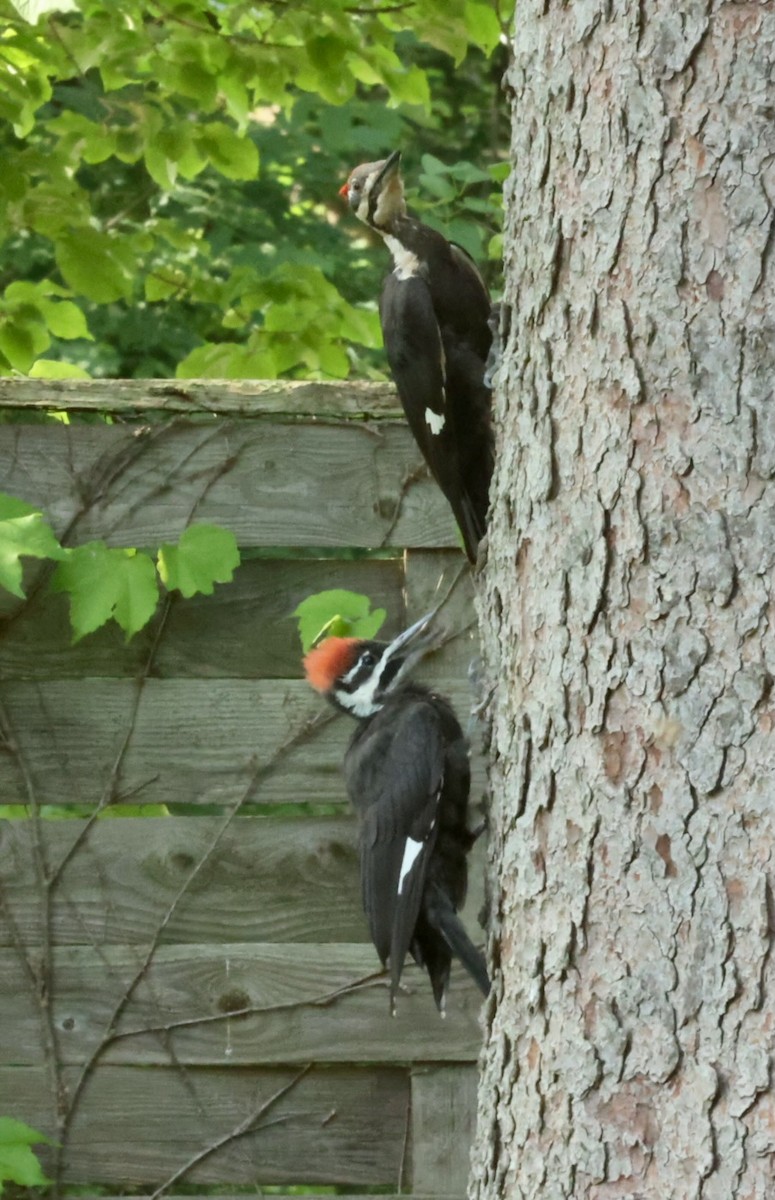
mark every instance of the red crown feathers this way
{"type": "Point", "coordinates": [328, 661]}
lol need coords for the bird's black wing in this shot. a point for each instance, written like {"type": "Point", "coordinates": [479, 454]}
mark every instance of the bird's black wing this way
{"type": "Point", "coordinates": [439, 374]}
{"type": "Point", "coordinates": [414, 348]}
{"type": "Point", "coordinates": [473, 276]}
{"type": "Point", "coordinates": [399, 827]}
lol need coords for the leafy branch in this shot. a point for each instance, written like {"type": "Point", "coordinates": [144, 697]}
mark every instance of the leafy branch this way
{"type": "Point", "coordinates": [113, 583]}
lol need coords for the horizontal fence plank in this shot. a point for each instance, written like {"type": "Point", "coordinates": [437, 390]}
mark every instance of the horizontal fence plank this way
{"type": "Point", "coordinates": [263, 880]}
{"type": "Point", "coordinates": [353, 484]}
{"type": "Point", "coordinates": [310, 1003]}
{"type": "Point", "coordinates": [245, 629]}
{"type": "Point", "coordinates": [248, 398]}
{"type": "Point", "coordinates": [220, 741]}
{"type": "Point", "coordinates": [135, 1126]}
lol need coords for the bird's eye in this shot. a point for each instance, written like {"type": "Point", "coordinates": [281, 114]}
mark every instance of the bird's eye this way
{"type": "Point", "coordinates": [368, 659]}
{"type": "Point", "coordinates": [356, 185]}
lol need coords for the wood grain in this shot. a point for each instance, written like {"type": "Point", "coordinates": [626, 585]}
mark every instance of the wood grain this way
{"type": "Point", "coordinates": [245, 629]}
{"type": "Point", "coordinates": [220, 741]}
{"type": "Point", "coordinates": [253, 398]}
{"type": "Point", "coordinates": [136, 1125]}
{"type": "Point", "coordinates": [268, 880]}
{"type": "Point", "coordinates": [303, 1010]}
{"type": "Point", "coordinates": [349, 484]}
{"type": "Point", "coordinates": [443, 1121]}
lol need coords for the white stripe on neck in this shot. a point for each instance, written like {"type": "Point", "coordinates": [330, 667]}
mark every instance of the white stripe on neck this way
{"type": "Point", "coordinates": [406, 261]}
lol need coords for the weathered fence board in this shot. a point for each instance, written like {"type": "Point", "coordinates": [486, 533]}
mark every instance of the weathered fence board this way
{"type": "Point", "coordinates": [263, 880]}
{"type": "Point", "coordinates": [257, 399]}
{"type": "Point", "coordinates": [220, 741]}
{"type": "Point", "coordinates": [146, 936]}
{"type": "Point", "coordinates": [338, 1126]}
{"type": "Point", "coordinates": [443, 1118]}
{"type": "Point", "coordinates": [311, 1004]}
{"type": "Point", "coordinates": [243, 631]}
{"type": "Point", "coordinates": [292, 484]}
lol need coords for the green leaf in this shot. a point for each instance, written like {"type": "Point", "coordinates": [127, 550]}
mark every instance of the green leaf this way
{"type": "Point", "coordinates": [495, 247]}
{"type": "Point", "coordinates": [482, 25]}
{"type": "Point", "coordinates": [337, 613]}
{"type": "Point", "coordinates": [97, 265]}
{"type": "Point", "coordinates": [411, 86]}
{"type": "Point", "coordinates": [18, 1164]}
{"type": "Point", "coordinates": [205, 555]}
{"type": "Point", "coordinates": [24, 533]}
{"type": "Point", "coordinates": [500, 171]}
{"type": "Point", "coordinates": [104, 583]}
{"type": "Point", "coordinates": [31, 10]}
{"type": "Point", "coordinates": [65, 319]}
{"type": "Point", "coordinates": [234, 156]}
{"type": "Point", "coordinates": [49, 368]}
{"type": "Point", "coordinates": [17, 344]}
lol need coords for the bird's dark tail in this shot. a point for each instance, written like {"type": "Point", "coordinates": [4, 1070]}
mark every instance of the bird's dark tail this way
{"type": "Point", "coordinates": [441, 914]}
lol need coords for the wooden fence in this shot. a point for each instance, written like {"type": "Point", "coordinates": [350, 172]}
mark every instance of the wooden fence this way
{"type": "Point", "coordinates": [191, 998]}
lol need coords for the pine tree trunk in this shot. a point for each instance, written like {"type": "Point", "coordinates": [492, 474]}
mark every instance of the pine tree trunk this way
{"type": "Point", "coordinates": [626, 608]}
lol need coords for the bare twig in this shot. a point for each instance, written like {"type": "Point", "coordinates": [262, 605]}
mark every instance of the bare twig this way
{"type": "Point", "coordinates": [405, 1144]}
{"type": "Point", "coordinates": [305, 731]}
{"type": "Point", "coordinates": [375, 979]}
{"type": "Point", "coordinates": [411, 477]}
{"type": "Point", "coordinates": [249, 1125]}
{"type": "Point", "coordinates": [109, 790]}
{"type": "Point", "coordinates": [44, 975]}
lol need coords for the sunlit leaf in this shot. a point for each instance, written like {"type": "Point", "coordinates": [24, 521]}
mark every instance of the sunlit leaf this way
{"type": "Point", "coordinates": [18, 1163]}
{"type": "Point", "coordinates": [31, 10]}
{"type": "Point", "coordinates": [104, 583]}
{"type": "Point", "coordinates": [48, 368]}
{"type": "Point", "coordinates": [205, 555]}
{"type": "Point", "coordinates": [96, 265]}
{"type": "Point", "coordinates": [337, 613]}
{"type": "Point", "coordinates": [24, 533]}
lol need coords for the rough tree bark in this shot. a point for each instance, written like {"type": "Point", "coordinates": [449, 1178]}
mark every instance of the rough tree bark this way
{"type": "Point", "coordinates": [626, 608]}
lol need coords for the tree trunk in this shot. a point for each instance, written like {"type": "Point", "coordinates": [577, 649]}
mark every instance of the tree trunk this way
{"type": "Point", "coordinates": [626, 610]}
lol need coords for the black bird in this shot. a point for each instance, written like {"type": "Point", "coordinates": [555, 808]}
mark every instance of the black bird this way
{"type": "Point", "coordinates": [434, 310]}
{"type": "Point", "coordinates": [407, 775]}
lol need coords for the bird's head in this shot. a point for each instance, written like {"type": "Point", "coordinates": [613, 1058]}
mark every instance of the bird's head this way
{"type": "Point", "coordinates": [375, 192]}
{"type": "Point", "coordinates": [358, 676]}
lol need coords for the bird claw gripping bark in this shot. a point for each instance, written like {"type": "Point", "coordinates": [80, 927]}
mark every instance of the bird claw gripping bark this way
{"type": "Point", "coordinates": [495, 355]}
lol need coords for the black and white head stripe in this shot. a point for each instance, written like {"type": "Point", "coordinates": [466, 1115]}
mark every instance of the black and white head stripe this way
{"type": "Point", "coordinates": [378, 668]}
{"type": "Point", "coordinates": [375, 191]}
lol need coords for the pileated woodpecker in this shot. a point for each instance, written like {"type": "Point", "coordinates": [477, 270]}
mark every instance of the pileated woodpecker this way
{"type": "Point", "coordinates": [434, 310]}
{"type": "Point", "coordinates": [407, 774]}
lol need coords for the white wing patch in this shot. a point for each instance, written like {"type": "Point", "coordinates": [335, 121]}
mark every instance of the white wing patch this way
{"type": "Point", "coordinates": [435, 421]}
{"type": "Point", "coordinates": [407, 263]}
{"type": "Point", "coordinates": [411, 850]}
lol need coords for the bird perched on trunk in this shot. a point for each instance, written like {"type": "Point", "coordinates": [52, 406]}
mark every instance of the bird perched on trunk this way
{"type": "Point", "coordinates": [434, 310]}
{"type": "Point", "coordinates": [407, 775]}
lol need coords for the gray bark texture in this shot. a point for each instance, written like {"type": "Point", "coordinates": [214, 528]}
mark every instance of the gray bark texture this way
{"type": "Point", "coordinates": [627, 611]}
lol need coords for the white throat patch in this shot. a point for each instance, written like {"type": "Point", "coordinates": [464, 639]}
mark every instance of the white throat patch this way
{"type": "Point", "coordinates": [406, 261]}
{"type": "Point", "coordinates": [361, 703]}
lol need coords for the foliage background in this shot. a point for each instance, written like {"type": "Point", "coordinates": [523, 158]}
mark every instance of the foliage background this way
{"type": "Point", "coordinates": [171, 168]}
